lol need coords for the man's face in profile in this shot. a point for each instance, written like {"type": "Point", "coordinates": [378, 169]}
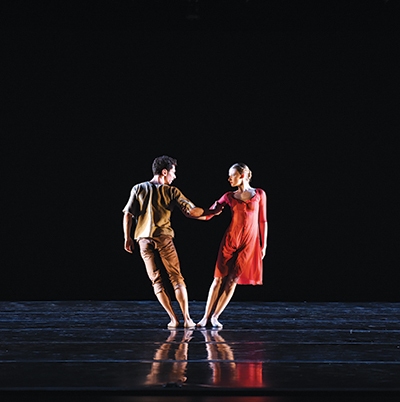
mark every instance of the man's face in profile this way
{"type": "Point", "coordinates": [171, 175]}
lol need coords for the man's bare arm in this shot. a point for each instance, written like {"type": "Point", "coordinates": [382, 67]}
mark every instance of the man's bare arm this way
{"type": "Point", "coordinates": [206, 214]}
{"type": "Point", "coordinates": [129, 244]}
{"type": "Point", "coordinates": [191, 211]}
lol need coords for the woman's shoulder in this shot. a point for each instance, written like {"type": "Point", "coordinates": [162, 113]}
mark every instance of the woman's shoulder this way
{"type": "Point", "coordinates": [226, 196]}
{"type": "Point", "coordinates": [229, 194]}
{"type": "Point", "coordinates": [261, 194]}
{"type": "Point", "coordinates": [260, 190]}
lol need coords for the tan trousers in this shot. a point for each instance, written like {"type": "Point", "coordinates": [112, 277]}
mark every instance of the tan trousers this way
{"type": "Point", "coordinates": [165, 247]}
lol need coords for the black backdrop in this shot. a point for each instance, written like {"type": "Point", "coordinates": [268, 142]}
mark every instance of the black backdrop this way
{"type": "Point", "coordinates": [305, 96]}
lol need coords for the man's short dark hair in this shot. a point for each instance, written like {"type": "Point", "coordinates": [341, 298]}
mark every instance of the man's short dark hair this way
{"type": "Point", "coordinates": [163, 162]}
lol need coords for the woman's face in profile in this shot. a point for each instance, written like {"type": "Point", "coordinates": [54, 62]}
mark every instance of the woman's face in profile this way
{"type": "Point", "coordinates": [234, 177]}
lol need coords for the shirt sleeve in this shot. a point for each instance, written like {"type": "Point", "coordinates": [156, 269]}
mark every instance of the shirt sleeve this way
{"type": "Point", "coordinates": [132, 205]}
{"type": "Point", "coordinates": [184, 204]}
{"type": "Point", "coordinates": [224, 200]}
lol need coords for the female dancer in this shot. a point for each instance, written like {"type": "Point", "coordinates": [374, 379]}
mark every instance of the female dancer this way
{"type": "Point", "coordinates": [243, 245]}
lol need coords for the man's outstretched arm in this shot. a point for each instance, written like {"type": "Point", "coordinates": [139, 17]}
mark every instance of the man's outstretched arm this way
{"type": "Point", "coordinates": [191, 211]}
{"type": "Point", "coordinates": [206, 214]}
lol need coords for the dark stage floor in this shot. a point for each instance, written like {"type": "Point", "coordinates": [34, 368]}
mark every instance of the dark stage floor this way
{"type": "Point", "coordinates": [122, 351]}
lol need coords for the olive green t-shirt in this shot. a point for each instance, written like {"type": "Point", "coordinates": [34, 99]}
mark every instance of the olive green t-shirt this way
{"type": "Point", "coordinates": [151, 205]}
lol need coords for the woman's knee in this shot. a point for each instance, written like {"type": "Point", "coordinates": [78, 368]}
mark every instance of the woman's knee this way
{"type": "Point", "coordinates": [217, 281]}
{"type": "Point", "coordinates": [231, 281]}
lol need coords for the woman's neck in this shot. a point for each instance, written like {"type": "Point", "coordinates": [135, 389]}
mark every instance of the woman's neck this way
{"type": "Point", "coordinates": [244, 192]}
{"type": "Point", "coordinates": [243, 187]}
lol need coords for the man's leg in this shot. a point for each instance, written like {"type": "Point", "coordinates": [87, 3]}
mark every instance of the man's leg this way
{"type": "Point", "coordinates": [147, 252]}
{"type": "Point", "coordinates": [170, 259]}
{"type": "Point", "coordinates": [165, 301]}
{"type": "Point", "coordinates": [182, 297]}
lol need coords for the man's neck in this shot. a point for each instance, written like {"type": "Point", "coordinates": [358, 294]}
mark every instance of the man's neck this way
{"type": "Point", "coordinates": [157, 179]}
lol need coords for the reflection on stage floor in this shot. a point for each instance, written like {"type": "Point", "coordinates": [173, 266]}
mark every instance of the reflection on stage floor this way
{"type": "Point", "coordinates": [122, 351]}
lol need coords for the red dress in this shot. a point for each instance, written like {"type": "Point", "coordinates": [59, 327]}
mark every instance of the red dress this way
{"type": "Point", "coordinates": [240, 249]}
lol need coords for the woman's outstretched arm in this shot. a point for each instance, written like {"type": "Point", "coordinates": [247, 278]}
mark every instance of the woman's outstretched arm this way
{"type": "Point", "coordinates": [207, 214]}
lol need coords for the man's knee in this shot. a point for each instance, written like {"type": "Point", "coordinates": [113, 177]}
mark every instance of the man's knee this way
{"type": "Point", "coordinates": [158, 287]}
{"type": "Point", "coordinates": [147, 254]}
{"type": "Point", "coordinates": [156, 280]}
{"type": "Point", "coordinates": [179, 285]}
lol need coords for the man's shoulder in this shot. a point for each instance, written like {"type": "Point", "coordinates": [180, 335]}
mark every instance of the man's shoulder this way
{"type": "Point", "coordinates": [172, 190]}
{"type": "Point", "coordinates": [168, 187]}
{"type": "Point", "coordinates": [143, 186]}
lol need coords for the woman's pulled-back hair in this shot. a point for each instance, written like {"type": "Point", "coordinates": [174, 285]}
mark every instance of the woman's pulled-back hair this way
{"type": "Point", "coordinates": [242, 169]}
{"type": "Point", "coordinates": [163, 162]}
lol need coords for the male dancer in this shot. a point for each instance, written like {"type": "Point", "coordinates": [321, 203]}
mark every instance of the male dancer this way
{"type": "Point", "coordinates": [150, 204]}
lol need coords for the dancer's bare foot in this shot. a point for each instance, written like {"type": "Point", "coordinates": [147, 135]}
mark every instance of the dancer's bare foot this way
{"type": "Point", "coordinates": [215, 323]}
{"type": "Point", "coordinates": [173, 324]}
{"type": "Point", "coordinates": [202, 322]}
{"type": "Point", "coordinates": [189, 324]}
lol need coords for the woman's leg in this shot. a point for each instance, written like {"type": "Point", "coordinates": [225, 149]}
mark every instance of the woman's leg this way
{"type": "Point", "coordinates": [224, 299]}
{"type": "Point", "coordinates": [211, 300]}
